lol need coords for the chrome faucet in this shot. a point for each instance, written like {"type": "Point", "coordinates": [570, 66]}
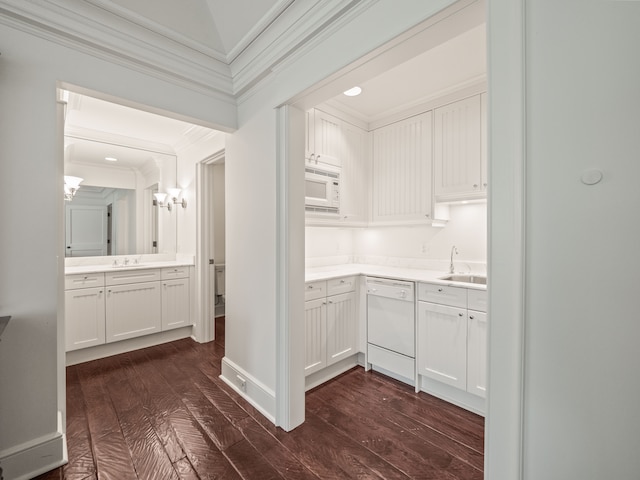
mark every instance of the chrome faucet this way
{"type": "Point", "coordinates": [453, 250]}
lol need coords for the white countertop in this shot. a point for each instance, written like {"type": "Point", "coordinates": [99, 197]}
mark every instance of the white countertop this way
{"type": "Point", "coordinates": [110, 268]}
{"type": "Point", "coordinates": [397, 273]}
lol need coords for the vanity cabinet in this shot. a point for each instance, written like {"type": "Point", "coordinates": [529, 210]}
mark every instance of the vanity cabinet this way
{"type": "Point", "coordinates": [331, 323]}
{"type": "Point", "coordinates": [175, 298]}
{"type": "Point", "coordinates": [117, 305]}
{"type": "Point", "coordinates": [460, 160]}
{"type": "Point", "coordinates": [452, 329]}
{"type": "Point", "coordinates": [84, 311]}
{"type": "Point", "coordinates": [133, 304]}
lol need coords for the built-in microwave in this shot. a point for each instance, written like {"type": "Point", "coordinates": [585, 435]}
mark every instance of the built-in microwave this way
{"type": "Point", "coordinates": [322, 190]}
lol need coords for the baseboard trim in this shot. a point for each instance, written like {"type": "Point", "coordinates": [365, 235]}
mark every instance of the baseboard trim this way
{"type": "Point", "coordinates": [327, 373]}
{"type": "Point", "coordinates": [36, 457]}
{"type": "Point", "coordinates": [123, 346]}
{"type": "Point", "coordinates": [255, 392]}
{"type": "Point", "coordinates": [458, 397]}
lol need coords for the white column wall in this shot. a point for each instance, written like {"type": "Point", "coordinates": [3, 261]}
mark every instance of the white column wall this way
{"type": "Point", "coordinates": [582, 387]}
{"type": "Point", "coordinates": [32, 380]}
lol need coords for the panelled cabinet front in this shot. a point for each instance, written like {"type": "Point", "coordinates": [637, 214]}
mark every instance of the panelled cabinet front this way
{"type": "Point", "coordinates": [402, 159]}
{"type": "Point", "coordinates": [442, 343]}
{"type": "Point", "coordinates": [315, 319]}
{"type": "Point", "coordinates": [84, 317]}
{"type": "Point", "coordinates": [132, 310]}
{"type": "Point", "coordinates": [341, 327]}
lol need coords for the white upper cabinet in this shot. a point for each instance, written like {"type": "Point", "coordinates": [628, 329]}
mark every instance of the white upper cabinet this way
{"type": "Point", "coordinates": [459, 163]}
{"type": "Point", "coordinates": [323, 142]}
{"type": "Point", "coordinates": [356, 174]}
{"type": "Point", "coordinates": [402, 161]}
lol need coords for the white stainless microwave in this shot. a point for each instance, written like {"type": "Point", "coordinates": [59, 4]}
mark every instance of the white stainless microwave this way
{"type": "Point", "coordinates": [322, 190]}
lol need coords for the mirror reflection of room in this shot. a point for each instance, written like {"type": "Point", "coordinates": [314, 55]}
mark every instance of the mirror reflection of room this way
{"type": "Point", "coordinates": [110, 182]}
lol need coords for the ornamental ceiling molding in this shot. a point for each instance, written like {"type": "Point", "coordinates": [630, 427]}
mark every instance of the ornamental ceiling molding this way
{"type": "Point", "coordinates": [102, 29]}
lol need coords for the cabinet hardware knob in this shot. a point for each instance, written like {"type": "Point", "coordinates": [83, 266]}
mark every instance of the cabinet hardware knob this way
{"type": "Point", "coordinates": [439, 289]}
{"type": "Point", "coordinates": [331, 301]}
{"type": "Point", "coordinates": [475, 185]}
{"type": "Point", "coordinates": [427, 215]}
{"type": "Point", "coordinates": [309, 286]}
{"type": "Point", "coordinates": [86, 278]}
{"type": "Point", "coordinates": [484, 184]}
{"type": "Point", "coordinates": [99, 291]}
{"type": "Point", "coordinates": [471, 317]}
{"type": "Point", "coordinates": [341, 281]}
{"type": "Point", "coordinates": [459, 314]}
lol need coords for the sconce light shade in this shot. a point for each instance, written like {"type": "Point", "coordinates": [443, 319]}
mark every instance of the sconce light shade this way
{"type": "Point", "coordinates": [160, 198]}
{"type": "Point", "coordinates": [174, 193]}
{"type": "Point", "coordinates": [71, 185]}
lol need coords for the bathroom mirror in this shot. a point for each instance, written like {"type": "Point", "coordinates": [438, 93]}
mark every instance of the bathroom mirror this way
{"type": "Point", "coordinates": [113, 211]}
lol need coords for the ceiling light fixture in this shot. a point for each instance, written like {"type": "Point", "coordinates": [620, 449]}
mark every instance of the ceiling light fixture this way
{"type": "Point", "coordinates": [111, 159]}
{"type": "Point", "coordinates": [352, 92]}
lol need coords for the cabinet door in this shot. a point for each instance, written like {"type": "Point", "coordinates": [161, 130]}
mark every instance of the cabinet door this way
{"type": "Point", "coordinates": [355, 176]}
{"type": "Point", "coordinates": [484, 147]}
{"type": "Point", "coordinates": [84, 318]}
{"type": "Point", "coordinates": [328, 139]}
{"type": "Point", "coordinates": [341, 327]}
{"type": "Point", "coordinates": [175, 304]}
{"type": "Point", "coordinates": [457, 149]}
{"type": "Point", "coordinates": [442, 343]}
{"type": "Point", "coordinates": [132, 310]}
{"type": "Point", "coordinates": [477, 354]}
{"type": "Point", "coordinates": [402, 162]}
{"type": "Point", "coordinates": [315, 318]}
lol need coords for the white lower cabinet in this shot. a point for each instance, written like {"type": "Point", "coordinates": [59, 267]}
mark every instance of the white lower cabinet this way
{"type": "Point", "coordinates": [442, 343]}
{"type": "Point", "coordinates": [452, 335]}
{"type": "Point", "coordinates": [117, 305]}
{"type": "Point", "coordinates": [132, 310]}
{"type": "Point", "coordinates": [84, 317]}
{"type": "Point", "coordinates": [331, 323]}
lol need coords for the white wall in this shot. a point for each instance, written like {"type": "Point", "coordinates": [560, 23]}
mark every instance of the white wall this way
{"type": "Point", "coordinates": [582, 386]}
{"type": "Point", "coordinates": [31, 240]}
{"type": "Point", "coordinates": [419, 246]}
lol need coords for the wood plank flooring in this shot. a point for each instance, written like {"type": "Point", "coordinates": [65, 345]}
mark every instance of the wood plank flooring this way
{"type": "Point", "coordinates": [163, 413]}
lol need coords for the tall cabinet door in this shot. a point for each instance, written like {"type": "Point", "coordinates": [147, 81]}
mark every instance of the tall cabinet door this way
{"type": "Point", "coordinates": [132, 310]}
{"type": "Point", "coordinates": [402, 161]}
{"type": "Point", "coordinates": [341, 327]}
{"type": "Point", "coordinates": [354, 193]}
{"type": "Point", "coordinates": [175, 303]}
{"type": "Point", "coordinates": [84, 318]}
{"type": "Point", "coordinates": [442, 343]}
{"type": "Point", "coordinates": [315, 319]}
{"type": "Point", "coordinates": [477, 354]}
{"type": "Point", "coordinates": [457, 148]}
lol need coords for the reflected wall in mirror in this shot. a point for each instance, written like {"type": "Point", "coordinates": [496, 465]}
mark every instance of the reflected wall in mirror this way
{"type": "Point", "coordinates": [114, 212]}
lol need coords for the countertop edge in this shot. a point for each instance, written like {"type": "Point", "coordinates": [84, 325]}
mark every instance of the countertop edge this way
{"type": "Point", "coordinates": [109, 268]}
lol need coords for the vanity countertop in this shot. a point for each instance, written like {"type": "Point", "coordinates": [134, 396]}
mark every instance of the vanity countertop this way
{"type": "Point", "coordinates": [110, 268]}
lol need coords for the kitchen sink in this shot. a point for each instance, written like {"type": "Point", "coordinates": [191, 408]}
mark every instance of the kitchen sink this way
{"type": "Point", "coordinates": [466, 278]}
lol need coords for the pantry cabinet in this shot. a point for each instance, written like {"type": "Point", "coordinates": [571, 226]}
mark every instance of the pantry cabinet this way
{"type": "Point", "coordinates": [331, 323]}
{"type": "Point", "coordinates": [402, 178]}
{"type": "Point", "coordinates": [323, 142]}
{"type": "Point", "coordinates": [452, 335]}
{"type": "Point", "coordinates": [459, 162]}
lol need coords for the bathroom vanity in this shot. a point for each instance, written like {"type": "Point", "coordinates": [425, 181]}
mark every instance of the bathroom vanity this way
{"type": "Point", "coordinates": [106, 308]}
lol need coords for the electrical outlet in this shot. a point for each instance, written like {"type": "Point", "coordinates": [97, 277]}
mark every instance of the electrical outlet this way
{"type": "Point", "coordinates": [242, 383]}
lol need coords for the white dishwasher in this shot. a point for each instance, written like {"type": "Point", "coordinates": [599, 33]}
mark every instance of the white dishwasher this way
{"type": "Point", "coordinates": [391, 327]}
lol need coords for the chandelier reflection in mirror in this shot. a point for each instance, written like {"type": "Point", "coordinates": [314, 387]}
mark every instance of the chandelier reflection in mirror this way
{"type": "Point", "coordinates": [71, 186]}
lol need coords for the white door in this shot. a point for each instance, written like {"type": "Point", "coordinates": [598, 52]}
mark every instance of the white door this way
{"type": "Point", "coordinates": [315, 322]}
{"type": "Point", "coordinates": [84, 318]}
{"type": "Point", "coordinates": [86, 230]}
{"type": "Point", "coordinates": [341, 327]}
{"type": "Point", "coordinates": [175, 303]}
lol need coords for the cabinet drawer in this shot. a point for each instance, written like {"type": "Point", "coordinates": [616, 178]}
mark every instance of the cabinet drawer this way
{"type": "Point", "coordinates": [83, 280]}
{"type": "Point", "coordinates": [341, 285]}
{"type": "Point", "coordinates": [124, 277]}
{"type": "Point", "coordinates": [314, 290]}
{"type": "Point", "coordinates": [169, 273]}
{"type": "Point", "coordinates": [477, 300]}
{"type": "Point", "coordinates": [443, 294]}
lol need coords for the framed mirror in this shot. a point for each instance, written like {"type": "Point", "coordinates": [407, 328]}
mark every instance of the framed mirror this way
{"type": "Point", "coordinates": [113, 212]}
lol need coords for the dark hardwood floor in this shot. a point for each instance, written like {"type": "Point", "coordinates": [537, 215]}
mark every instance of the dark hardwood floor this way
{"type": "Point", "coordinates": [163, 413]}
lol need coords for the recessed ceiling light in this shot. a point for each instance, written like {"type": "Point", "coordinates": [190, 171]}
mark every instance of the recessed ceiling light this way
{"type": "Point", "coordinates": [352, 92]}
{"type": "Point", "coordinates": [111, 159]}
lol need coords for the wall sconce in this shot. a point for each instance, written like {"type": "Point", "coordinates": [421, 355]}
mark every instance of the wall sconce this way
{"type": "Point", "coordinates": [174, 193]}
{"type": "Point", "coordinates": [71, 186]}
{"type": "Point", "coordinates": [160, 200]}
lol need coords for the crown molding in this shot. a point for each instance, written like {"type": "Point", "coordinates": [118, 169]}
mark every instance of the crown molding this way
{"type": "Point", "coordinates": [91, 29]}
